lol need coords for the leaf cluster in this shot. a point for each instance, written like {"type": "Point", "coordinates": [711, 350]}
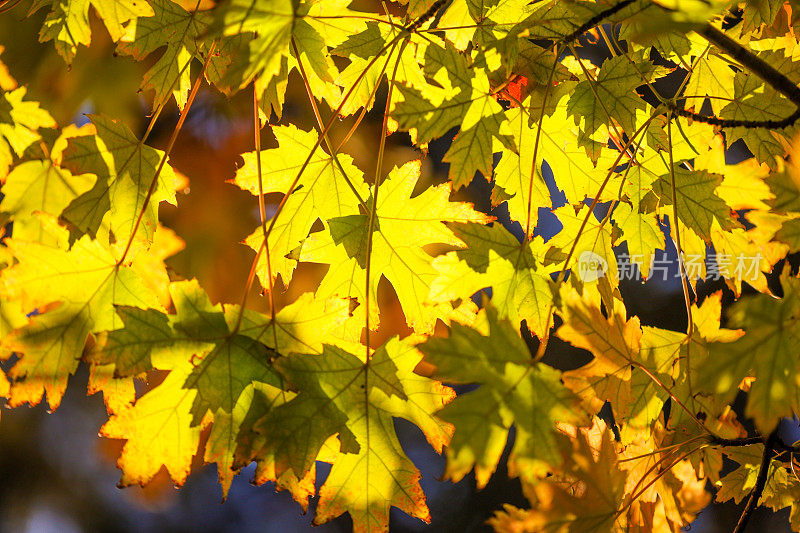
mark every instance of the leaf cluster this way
{"type": "Point", "coordinates": [629, 153]}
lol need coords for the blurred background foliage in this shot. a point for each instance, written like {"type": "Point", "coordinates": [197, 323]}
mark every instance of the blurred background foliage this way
{"type": "Point", "coordinates": [57, 475]}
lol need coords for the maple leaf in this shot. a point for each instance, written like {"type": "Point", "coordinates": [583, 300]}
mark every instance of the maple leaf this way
{"type": "Point", "coordinates": [312, 27]}
{"type": "Point", "coordinates": [698, 205]}
{"type": "Point", "coordinates": [90, 284]}
{"type": "Point", "coordinates": [339, 393]}
{"type": "Point", "coordinates": [513, 390]}
{"type": "Point", "coordinates": [463, 98]}
{"type": "Point", "coordinates": [229, 362]}
{"type": "Point", "coordinates": [273, 23]}
{"type": "Point", "coordinates": [365, 484]}
{"type": "Point", "coordinates": [129, 349]}
{"type": "Point", "coordinates": [182, 32]}
{"type": "Point", "coordinates": [403, 226]}
{"type": "Point", "coordinates": [243, 443]}
{"type": "Point", "coordinates": [301, 327]}
{"type": "Point", "coordinates": [713, 77]}
{"type": "Point", "coordinates": [624, 365]}
{"type": "Point", "coordinates": [612, 95]}
{"type": "Point", "coordinates": [781, 488]}
{"type": "Point", "coordinates": [42, 186]}
{"type": "Point", "coordinates": [594, 241]}
{"type": "Point", "coordinates": [373, 54]}
{"type": "Point", "coordinates": [159, 430]}
{"type": "Point", "coordinates": [754, 100]}
{"type": "Point", "coordinates": [19, 123]}
{"type": "Point", "coordinates": [763, 352]}
{"type": "Point", "coordinates": [330, 186]}
{"type": "Point", "coordinates": [573, 171]}
{"type": "Point", "coordinates": [226, 437]}
{"type": "Point", "coordinates": [39, 186]}
{"type": "Point", "coordinates": [642, 233]}
{"type": "Point", "coordinates": [585, 498]}
{"type": "Point", "coordinates": [493, 257]}
{"type": "Point", "coordinates": [125, 170]}
{"type": "Point", "coordinates": [68, 21]}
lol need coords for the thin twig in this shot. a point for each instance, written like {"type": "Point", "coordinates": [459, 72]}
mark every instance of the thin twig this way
{"type": "Point", "coordinates": [761, 482]}
{"type": "Point", "coordinates": [167, 152]}
{"type": "Point", "coordinates": [757, 66]}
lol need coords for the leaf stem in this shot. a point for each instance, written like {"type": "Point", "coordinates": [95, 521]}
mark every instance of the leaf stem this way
{"type": "Point", "coordinates": [373, 210]}
{"type": "Point", "coordinates": [262, 215]}
{"type": "Point", "coordinates": [279, 209]}
{"type": "Point", "coordinates": [318, 125]}
{"type": "Point", "coordinates": [167, 151]}
{"type": "Point", "coordinates": [528, 230]}
{"type": "Point", "coordinates": [684, 283]}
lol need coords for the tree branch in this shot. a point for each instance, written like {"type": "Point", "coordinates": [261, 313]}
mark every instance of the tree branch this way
{"type": "Point", "coordinates": [746, 441]}
{"type": "Point", "coordinates": [757, 66]}
{"type": "Point", "coordinates": [597, 19]}
{"type": "Point", "coordinates": [761, 481]}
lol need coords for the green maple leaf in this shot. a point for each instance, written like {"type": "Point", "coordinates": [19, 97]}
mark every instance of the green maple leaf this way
{"type": "Point", "coordinates": [182, 32]}
{"type": "Point", "coordinates": [786, 193]}
{"type": "Point", "coordinates": [298, 429]}
{"type": "Point", "coordinates": [50, 345]}
{"type": "Point", "coordinates": [462, 99]}
{"type": "Point", "coordinates": [271, 23]}
{"type": "Point", "coordinates": [757, 13]}
{"type": "Point", "coordinates": [781, 488]}
{"type": "Point", "coordinates": [125, 170]}
{"type": "Point", "coordinates": [312, 27]}
{"type": "Point", "coordinates": [765, 351]}
{"type": "Point", "coordinates": [213, 375]}
{"type": "Point", "coordinates": [755, 100]}
{"type": "Point", "coordinates": [403, 227]}
{"type": "Point", "coordinates": [698, 204]}
{"type": "Point", "coordinates": [302, 327]}
{"type": "Point", "coordinates": [245, 444]}
{"type": "Point", "coordinates": [513, 391]}
{"type": "Point", "coordinates": [322, 192]}
{"type": "Point", "coordinates": [595, 240]}
{"type": "Point", "coordinates": [339, 393]}
{"type": "Point", "coordinates": [494, 258]}
{"type": "Point", "coordinates": [68, 21]}
{"type": "Point", "coordinates": [616, 98]}
{"type": "Point", "coordinates": [130, 348]}
{"type": "Point", "coordinates": [231, 362]}
{"type": "Point", "coordinates": [790, 234]}
{"type": "Point", "coordinates": [551, 19]}
{"type": "Point", "coordinates": [373, 55]}
{"type": "Point", "coordinates": [380, 475]}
